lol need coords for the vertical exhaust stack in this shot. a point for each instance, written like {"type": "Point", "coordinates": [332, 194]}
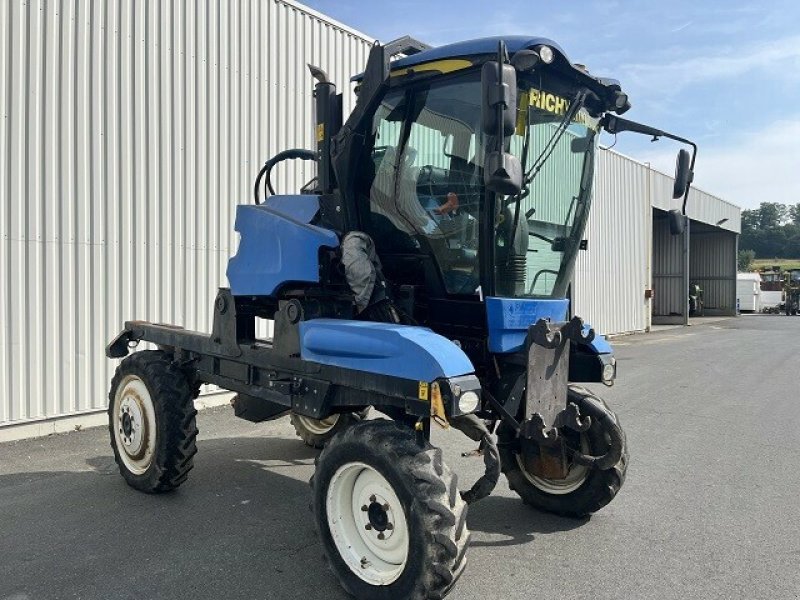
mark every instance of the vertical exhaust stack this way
{"type": "Point", "coordinates": [328, 123]}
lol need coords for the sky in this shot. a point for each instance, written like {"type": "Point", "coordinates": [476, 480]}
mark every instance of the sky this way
{"type": "Point", "coordinates": [725, 74]}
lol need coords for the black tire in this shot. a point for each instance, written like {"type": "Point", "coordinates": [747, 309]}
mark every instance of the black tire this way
{"type": "Point", "coordinates": [428, 492]}
{"type": "Point", "coordinates": [316, 434]}
{"type": "Point", "coordinates": [598, 488]}
{"type": "Point", "coordinates": [171, 396]}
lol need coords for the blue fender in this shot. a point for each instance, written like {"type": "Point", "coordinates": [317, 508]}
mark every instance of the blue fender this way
{"type": "Point", "coordinates": [277, 245]}
{"type": "Point", "coordinates": [404, 351]}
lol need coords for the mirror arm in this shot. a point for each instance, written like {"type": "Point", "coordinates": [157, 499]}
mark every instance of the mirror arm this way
{"type": "Point", "coordinates": [614, 125]}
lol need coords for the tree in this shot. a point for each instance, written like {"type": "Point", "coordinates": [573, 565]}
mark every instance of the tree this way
{"type": "Point", "coordinates": [746, 258]}
{"type": "Point", "coordinates": [771, 215]}
{"type": "Point", "coordinates": [794, 214]}
{"type": "Point", "coordinates": [750, 220]}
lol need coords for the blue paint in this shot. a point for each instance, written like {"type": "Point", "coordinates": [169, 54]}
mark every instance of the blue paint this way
{"type": "Point", "coordinates": [486, 45]}
{"type": "Point", "coordinates": [508, 319]}
{"type": "Point", "coordinates": [301, 207]}
{"type": "Point", "coordinates": [468, 48]}
{"type": "Point", "coordinates": [599, 344]}
{"type": "Point", "coordinates": [277, 245]}
{"type": "Point", "coordinates": [403, 351]}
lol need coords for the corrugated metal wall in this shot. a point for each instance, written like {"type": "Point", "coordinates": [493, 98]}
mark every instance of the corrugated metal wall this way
{"type": "Point", "coordinates": [612, 274]}
{"type": "Point", "coordinates": [668, 267]}
{"type": "Point", "coordinates": [129, 132]}
{"type": "Point", "coordinates": [712, 265]}
{"type": "Point", "coordinates": [701, 206]}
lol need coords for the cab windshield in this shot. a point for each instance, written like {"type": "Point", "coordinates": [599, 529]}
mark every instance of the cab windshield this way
{"type": "Point", "coordinates": [424, 182]}
{"type": "Point", "coordinates": [555, 142]}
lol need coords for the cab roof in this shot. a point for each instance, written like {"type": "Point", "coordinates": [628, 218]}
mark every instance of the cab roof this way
{"type": "Point", "coordinates": [486, 45]}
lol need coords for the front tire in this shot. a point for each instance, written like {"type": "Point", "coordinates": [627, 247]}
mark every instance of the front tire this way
{"type": "Point", "coordinates": [151, 420]}
{"type": "Point", "coordinates": [585, 490]}
{"type": "Point", "coordinates": [389, 514]}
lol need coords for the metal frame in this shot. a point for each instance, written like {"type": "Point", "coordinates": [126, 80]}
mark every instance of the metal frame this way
{"type": "Point", "coordinates": [273, 371]}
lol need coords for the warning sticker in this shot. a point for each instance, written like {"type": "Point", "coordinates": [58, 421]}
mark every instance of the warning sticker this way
{"type": "Point", "coordinates": [423, 390]}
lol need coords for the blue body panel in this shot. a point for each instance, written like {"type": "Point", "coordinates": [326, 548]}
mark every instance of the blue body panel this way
{"type": "Point", "coordinates": [487, 45]}
{"type": "Point", "coordinates": [599, 344]}
{"type": "Point", "coordinates": [509, 318]}
{"type": "Point", "coordinates": [403, 351]}
{"type": "Point", "coordinates": [277, 245]}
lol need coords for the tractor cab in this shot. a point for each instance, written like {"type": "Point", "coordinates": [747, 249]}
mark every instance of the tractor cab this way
{"type": "Point", "coordinates": [471, 167]}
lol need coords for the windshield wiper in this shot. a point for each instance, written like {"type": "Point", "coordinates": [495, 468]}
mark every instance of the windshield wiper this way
{"type": "Point", "coordinates": [551, 144]}
{"type": "Point", "coordinates": [548, 149]}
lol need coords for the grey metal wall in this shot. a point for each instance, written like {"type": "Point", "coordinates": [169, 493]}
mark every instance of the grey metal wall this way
{"type": "Point", "coordinates": [668, 267]}
{"type": "Point", "coordinates": [612, 274]}
{"type": "Point", "coordinates": [712, 265]}
{"type": "Point", "coordinates": [129, 132]}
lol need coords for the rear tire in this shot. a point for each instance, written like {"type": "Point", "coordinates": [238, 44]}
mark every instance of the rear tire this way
{"type": "Point", "coordinates": [585, 490]}
{"type": "Point", "coordinates": [317, 432]}
{"type": "Point", "coordinates": [151, 419]}
{"type": "Point", "coordinates": [374, 474]}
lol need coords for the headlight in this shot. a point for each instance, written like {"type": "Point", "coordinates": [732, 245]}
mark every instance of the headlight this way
{"type": "Point", "coordinates": [468, 402]}
{"type": "Point", "coordinates": [546, 54]}
{"type": "Point", "coordinates": [609, 371]}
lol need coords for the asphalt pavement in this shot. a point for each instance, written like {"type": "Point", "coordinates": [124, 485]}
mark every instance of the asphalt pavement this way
{"type": "Point", "coordinates": [710, 508]}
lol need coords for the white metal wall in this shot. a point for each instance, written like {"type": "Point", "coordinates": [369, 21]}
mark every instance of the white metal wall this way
{"type": "Point", "coordinates": [129, 131]}
{"type": "Point", "coordinates": [612, 274]}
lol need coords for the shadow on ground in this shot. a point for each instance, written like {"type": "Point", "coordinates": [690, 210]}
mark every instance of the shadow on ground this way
{"type": "Point", "coordinates": [239, 528]}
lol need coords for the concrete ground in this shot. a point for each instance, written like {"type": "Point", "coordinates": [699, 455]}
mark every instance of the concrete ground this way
{"type": "Point", "coordinates": [710, 509]}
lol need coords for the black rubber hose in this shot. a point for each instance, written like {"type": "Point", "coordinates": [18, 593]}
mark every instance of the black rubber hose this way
{"type": "Point", "coordinates": [603, 417]}
{"type": "Point", "coordinates": [295, 153]}
{"type": "Point", "coordinates": [475, 429]}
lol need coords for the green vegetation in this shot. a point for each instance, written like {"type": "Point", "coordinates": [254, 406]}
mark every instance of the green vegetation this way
{"type": "Point", "coordinates": [767, 263]}
{"type": "Point", "coordinates": [772, 231]}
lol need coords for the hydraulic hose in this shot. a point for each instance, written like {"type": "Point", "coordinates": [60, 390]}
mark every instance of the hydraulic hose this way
{"type": "Point", "coordinates": [296, 153]}
{"type": "Point", "coordinates": [475, 429]}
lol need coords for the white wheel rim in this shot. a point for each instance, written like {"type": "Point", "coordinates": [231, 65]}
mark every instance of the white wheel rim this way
{"type": "Point", "coordinates": [318, 426]}
{"type": "Point", "coordinates": [367, 523]}
{"type": "Point", "coordinates": [134, 424]}
{"type": "Point", "coordinates": [575, 478]}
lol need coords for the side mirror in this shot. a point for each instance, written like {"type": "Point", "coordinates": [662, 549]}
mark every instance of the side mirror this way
{"type": "Point", "coordinates": [677, 222]}
{"type": "Point", "coordinates": [502, 173]}
{"type": "Point", "coordinates": [683, 174]}
{"type": "Point", "coordinates": [498, 98]}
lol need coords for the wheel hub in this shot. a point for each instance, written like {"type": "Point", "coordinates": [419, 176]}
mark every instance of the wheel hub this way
{"type": "Point", "coordinates": [367, 523]}
{"type": "Point", "coordinates": [379, 516]}
{"type": "Point", "coordinates": [134, 424]}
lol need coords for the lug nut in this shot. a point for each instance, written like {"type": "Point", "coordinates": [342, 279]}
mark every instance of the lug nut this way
{"type": "Point", "coordinates": [381, 536]}
{"type": "Point", "coordinates": [386, 507]}
{"type": "Point", "coordinates": [389, 526]}
{"type": "Point", "coordinates": [364, 508]}
{"type": "Point", "coordinates": [372, 498]}
{"type": "Point", "coordinates": [368, 526]}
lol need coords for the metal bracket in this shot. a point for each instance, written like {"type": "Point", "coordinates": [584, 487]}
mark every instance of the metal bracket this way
{"type": "Point", "coordinates": [287, 330]}
{"type": "Point", "coordinates": [546, 405]}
